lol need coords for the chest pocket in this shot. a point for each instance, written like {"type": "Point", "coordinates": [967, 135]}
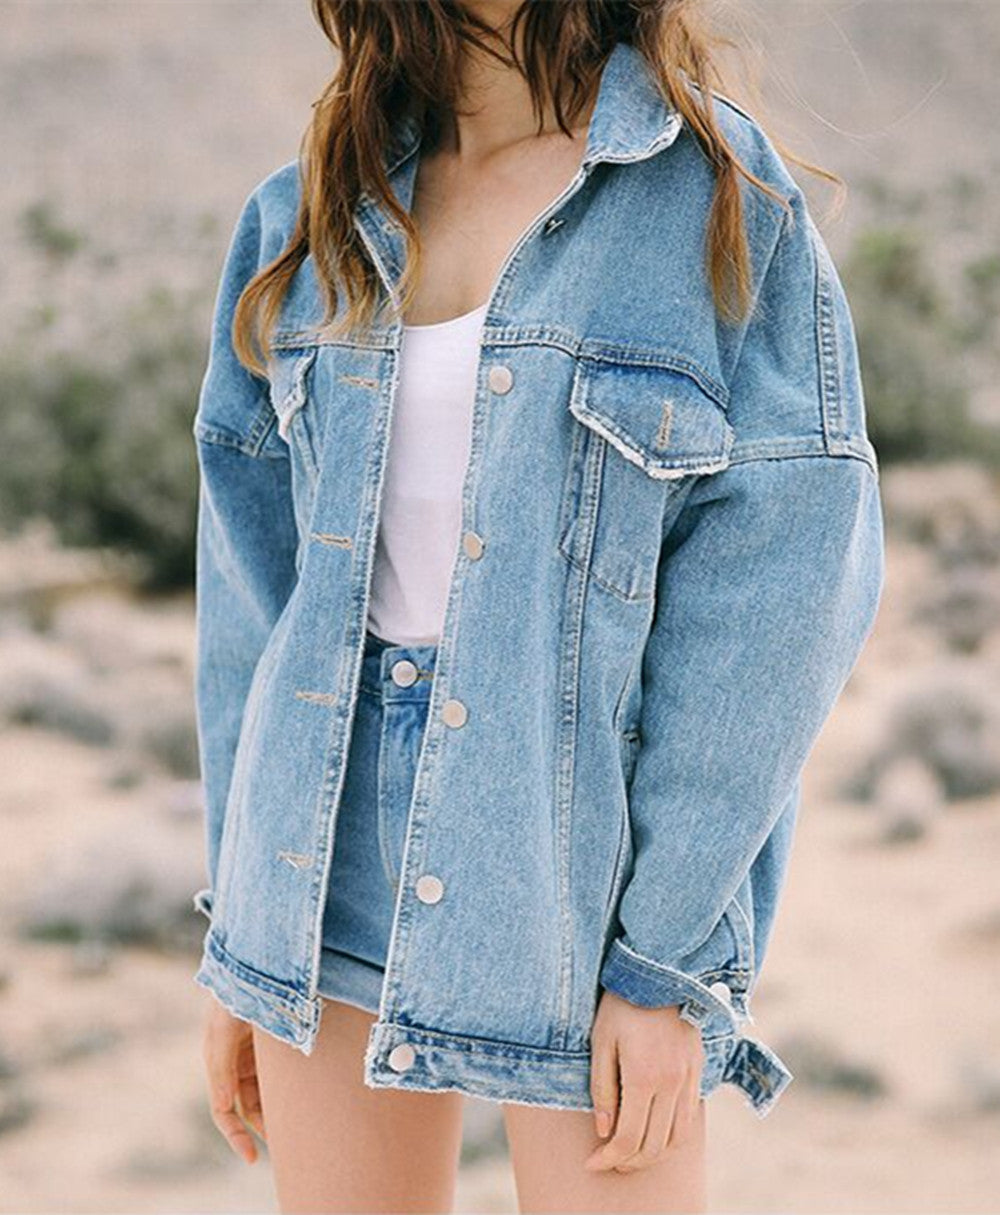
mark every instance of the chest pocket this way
{"type": "Point", "coordinates": [645, 433]}
{"type": "Point", "coordinates": [293, 400]}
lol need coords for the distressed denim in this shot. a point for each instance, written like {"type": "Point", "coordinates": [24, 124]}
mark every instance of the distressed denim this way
{"type": "Point", "coordinates": [670, 559]}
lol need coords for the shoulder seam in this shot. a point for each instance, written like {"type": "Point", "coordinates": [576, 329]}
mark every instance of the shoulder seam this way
{"type": "Point", "coordinates": [786, 223]}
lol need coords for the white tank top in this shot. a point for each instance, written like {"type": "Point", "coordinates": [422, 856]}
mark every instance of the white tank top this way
{"type": "Point", "coordinates": [429, 447]}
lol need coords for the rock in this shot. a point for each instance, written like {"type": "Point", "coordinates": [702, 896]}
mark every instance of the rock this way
{"type": "Point", "coordinates": [909, 795]}
{"type": "Point", "coordinates": [954, 507]}
{"type": "Point", "coordinates": [818, 1064]}
{"type": "Point", "coordinates": [964, 608]}
{"type": "Point", "coordinates": [80, 1043]}
{"type": "Point", "coordinates": [91, 957]}
{"type": "Point", "coordinates": [171, 739]}
{"type": "Point", "coordinates": [113, 631]}
{"type": "Point", "coordinates": [9, 1068]}
{"type": "Point", "coordinates": [985, 929]}
{"type": "Point", "coordinates": [44, 683]}
{"type": "Point", "coordinates": [37, 572]}
{"type": "Point", "coordinates": [948, 716]}
{"type": "Point", "coordinates": [184, 800]}
{"type": "Point", "coordinates": [124, 887]}
{"type": "Point", "coordinates": [979, 1083]}
{"type": "Point", "coordinates": [127, 774]}
{"type": "Point", "coordinates": [16, 1109]}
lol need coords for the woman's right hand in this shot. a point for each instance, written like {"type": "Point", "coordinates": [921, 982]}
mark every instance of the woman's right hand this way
{"type": "Point", "coordinates": [231, 1068]}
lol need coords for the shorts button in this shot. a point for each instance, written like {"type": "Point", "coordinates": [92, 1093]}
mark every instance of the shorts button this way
{"type": "Point", "coordinates": [429, 888]}
{"type": "Point", "coordinates": [721, 990]}
{"type": "Point", "coordinates": [501, 378]}
{"type": "Point", "coordinates": [404, 672]}
{"type": "Point", "coordinates": [453, 713]}
{"type": "Point", "coordinates": [473, 545]}
{"type": "Point", "coordinates": [401, 1057]}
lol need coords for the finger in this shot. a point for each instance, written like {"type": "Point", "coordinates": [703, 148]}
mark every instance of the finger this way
{"type": "Point", "coordinates": [231, 1125]}
{"type": "Point", "coordinates": [662, 1113]}
{"type": "Point", "coordinates": [604, 1084]}
{"type": "Point", "coordinates": [686, 1116]}
{"type": "Point", "coordinates": [223, 1076]}
{"type": "Point", "coordinates": [249, 1089]}
{"type": "Point", "coordinates": [250, 1104]}
{"type": "Point", "coordinates": [629, 1129]}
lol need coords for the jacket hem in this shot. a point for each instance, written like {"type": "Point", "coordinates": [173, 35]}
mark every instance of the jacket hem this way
{"type": "Point", "coordinates": [490, 1069]}
{"type": "Point", "coordinates": [508, 1072]}
{"type": "Point", "coordinates": [481, 1067]}
{"type": "Point", "coordinates": [252, 996]}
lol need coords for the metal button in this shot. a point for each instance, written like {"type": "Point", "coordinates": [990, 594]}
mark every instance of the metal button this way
{"type": "Point", "coordinates": [404, 673]}
{"type": "Point", "coordinates": [553, 222]}
{"type": "Point", "coordinates": [401, 1057]}
{"type": "Point", "coordinates": [721, 990]}
{"type": "Point", "coordinates": [501, 378]}
{"type": "Point", "coordinates": [453, 713]}
{"type": "Point", "coordinates": [429, 888]}
{"type": "Point", "coordinates": [473, 545]}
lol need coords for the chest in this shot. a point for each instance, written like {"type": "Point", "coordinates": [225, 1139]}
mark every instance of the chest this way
{"type": "Point", "coordinates": [470, 216]}
{"type": "Point", "coordinates": [595, 390]}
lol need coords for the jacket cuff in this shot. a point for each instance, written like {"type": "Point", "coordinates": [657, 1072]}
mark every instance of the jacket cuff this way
{"type": "Point", "coordinates": [640, 980]}
{"type": "Point", "coordinates": [748, 1064]}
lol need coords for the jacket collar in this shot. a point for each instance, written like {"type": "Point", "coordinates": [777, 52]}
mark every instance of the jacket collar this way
{"type": "Point", "coordinates": [631, 118]}
{"type": "Point", "coordinates": [630, 121]}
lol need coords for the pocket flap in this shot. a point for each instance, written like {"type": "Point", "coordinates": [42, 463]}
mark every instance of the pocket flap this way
{"type": "Point", "coordinates": [660, 418]}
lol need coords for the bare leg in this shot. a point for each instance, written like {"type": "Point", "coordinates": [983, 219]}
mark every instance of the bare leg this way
{"type": "Point", "coordinates": [337, 1145]}
{"type": "Point", "coordinates": [548, 1148]}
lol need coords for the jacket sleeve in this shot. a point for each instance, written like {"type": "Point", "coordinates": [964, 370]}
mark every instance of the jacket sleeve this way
{"type": "Point", "coordinates": [246, 538]}
{"type": "Point", "coordinates": [768, 585]}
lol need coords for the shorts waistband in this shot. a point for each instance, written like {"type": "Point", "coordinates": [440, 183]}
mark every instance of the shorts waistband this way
{"type": "Point", "coordinates": [395, 671]}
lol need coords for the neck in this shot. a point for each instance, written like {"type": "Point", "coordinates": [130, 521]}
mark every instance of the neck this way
{"type": "Point", "coordinates": [494, 98]}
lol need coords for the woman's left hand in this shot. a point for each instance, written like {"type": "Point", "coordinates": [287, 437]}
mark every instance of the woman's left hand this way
{"type": "Point", "coordinates": [644, 1081]}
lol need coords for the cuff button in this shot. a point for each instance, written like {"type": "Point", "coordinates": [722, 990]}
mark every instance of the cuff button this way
{"type": "Point", "coordinates": [402, 1057]}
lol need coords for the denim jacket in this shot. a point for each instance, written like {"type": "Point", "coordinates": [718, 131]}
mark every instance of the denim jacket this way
{"type": "Point", "coordinates": [681, 558]}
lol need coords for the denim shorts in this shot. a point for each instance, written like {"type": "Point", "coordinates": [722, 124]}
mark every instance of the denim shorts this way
{"type": "Point", "coordinates": [371, 822]}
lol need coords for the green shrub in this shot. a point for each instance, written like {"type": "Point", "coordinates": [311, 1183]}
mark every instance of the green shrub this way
{"type": "Point", "coordinates": [47, 235]}
{"type": "Point", "coordinates": [917, 384]}
{"type": "Point", "coordinates": [104, 448]}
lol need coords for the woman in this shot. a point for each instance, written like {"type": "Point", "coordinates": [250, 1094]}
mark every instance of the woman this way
{"type": "Point", "coordinates": [539, 531]}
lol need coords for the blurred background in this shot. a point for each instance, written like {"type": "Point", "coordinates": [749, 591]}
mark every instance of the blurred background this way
{"type": "Point", "coordinates": [131, 134]}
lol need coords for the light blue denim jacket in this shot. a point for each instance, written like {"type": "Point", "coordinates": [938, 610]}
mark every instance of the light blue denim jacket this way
{"type": "Point", "coordinates": [682, 558]}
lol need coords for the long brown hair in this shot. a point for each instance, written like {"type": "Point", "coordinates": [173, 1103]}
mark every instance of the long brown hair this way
{"type": "Point", "coordinates": [403, 57]}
